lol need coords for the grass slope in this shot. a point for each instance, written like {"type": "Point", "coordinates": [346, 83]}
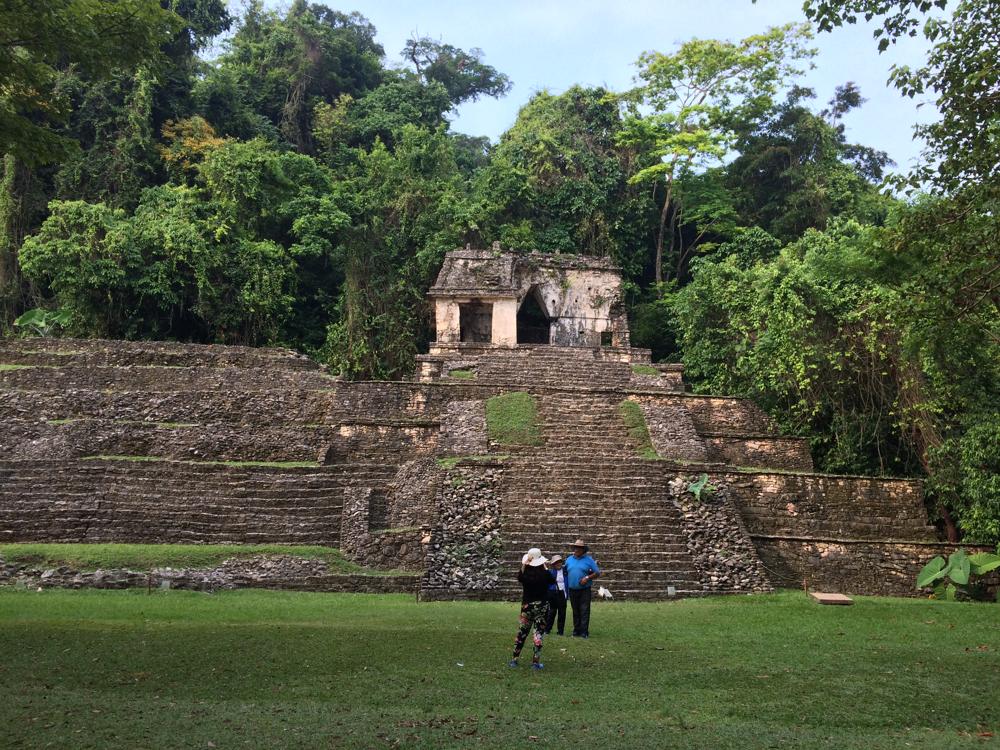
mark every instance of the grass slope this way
{"type": "Point", "coordinates": [512, 419]}
{"type": "Point", "coordinates": [90, 669]}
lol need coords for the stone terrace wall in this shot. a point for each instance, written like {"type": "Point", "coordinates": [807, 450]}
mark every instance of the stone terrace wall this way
{"type": "Point", "coordinates": [154, 378]}
{"type": "Point", "coordinates": [100, 352]}
{"type": "Point", "coordinates": [764, 451]}
{"type": "Point", "coordinates": [830, 507]}
{"type": "Point", "coordinates": [852, 567]}
{"type": "Point", "coordinates": [24, 440]}
{"type": "Point", "coordinates": [162, 501]}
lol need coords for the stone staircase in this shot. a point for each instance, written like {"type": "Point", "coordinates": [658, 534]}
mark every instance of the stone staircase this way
{"type": "Point", "coordinates": [621, 509]}
{"type": "Point", "coordinates": [583, 424]}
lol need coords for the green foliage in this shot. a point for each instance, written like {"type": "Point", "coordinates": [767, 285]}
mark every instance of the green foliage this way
{"type": "Point", "coordinates": [462, 374]}
{"type": "Point", "coordinates": [463, 74]}
{"type": "Point", "coordinates": [41, 322]}
{"type": "Point", "coordinates": [38, 40]}
{"type": "Point", "coordinates": [951, 578]}
{"type": "Point", "coordinates": [701, 486]}
{"type": "Point", "coordinates": [558, 181]}
{"type": "Point", "coordinates": [512, 419]}
{"type": "Point", "coordinates": [635, 423]}
{"type": "Point", "coordinates": [692, 93]}
{"type": "Point", "coordinates": [645, 370]}
{"type": "Point", "coordinates": [404, 208]}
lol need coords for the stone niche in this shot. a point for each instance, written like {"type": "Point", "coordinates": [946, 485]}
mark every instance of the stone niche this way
{"type": "Point", "coordinates": [506, 298]}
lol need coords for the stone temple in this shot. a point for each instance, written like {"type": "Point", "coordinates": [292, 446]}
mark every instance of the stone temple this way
{"type": "Point", "coordinates": [531, 421]}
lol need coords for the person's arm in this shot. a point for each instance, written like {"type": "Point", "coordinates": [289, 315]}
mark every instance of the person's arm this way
{"type": "Point", "coordinates": [595, 572]}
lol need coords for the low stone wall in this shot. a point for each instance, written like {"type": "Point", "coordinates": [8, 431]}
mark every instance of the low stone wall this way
{"type": "Point", "coordinates": [264, 572]}
{"type": "Point", "coordinates": [760, 451]}
{"type": "Point", "coordinates": [851, 566]}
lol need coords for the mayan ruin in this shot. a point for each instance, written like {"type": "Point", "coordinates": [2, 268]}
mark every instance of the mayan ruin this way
{"type": "Point", "coordinates": [111, 441]}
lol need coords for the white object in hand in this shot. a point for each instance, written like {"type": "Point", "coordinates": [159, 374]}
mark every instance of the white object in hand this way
{"type": "Point", "coordinates": [604, 593]}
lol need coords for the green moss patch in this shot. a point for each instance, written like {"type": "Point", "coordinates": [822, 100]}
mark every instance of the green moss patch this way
{"type": "Point", "coordinates": [645, 370]}
{"type": "Point", "coordinates": [635, 422]}
{"type": "Point", "coordinates": [512, 419]}
{"type": "Point", "coordinates": [462, 374]}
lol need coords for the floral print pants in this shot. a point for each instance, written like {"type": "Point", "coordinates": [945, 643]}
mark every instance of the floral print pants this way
{"type": "Point", "coordinates": [532, 614]}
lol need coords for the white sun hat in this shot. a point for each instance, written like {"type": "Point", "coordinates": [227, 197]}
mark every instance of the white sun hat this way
{"type": "Point", "coordinates": [533, 557]}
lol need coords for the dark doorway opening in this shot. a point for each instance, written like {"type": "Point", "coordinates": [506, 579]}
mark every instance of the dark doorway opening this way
{"type": "Point", "coordinates": [475, 322]}
{"type": "Point", "coordinates": [533, 324]}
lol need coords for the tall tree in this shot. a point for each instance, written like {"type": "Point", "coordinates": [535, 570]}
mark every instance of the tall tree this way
{"type": "Point", "coordinates": [691, 93]}
{"type": "Point", "coordinates": [463, 74]}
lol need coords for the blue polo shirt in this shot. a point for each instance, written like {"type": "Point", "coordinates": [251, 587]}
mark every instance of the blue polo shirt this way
{"type": "Point", "coordinates": [578, 567]}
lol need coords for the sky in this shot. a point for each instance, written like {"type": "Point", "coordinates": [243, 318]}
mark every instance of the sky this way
{"type": "Point", "coordinates": [553, 44]}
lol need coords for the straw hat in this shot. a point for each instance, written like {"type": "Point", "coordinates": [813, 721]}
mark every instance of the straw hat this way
{"type": "Point", "coordinates": [580, 543]}
{"type": "Point", "coordinates": [533, 557]}
{"type": "Point", "coordinates": [555, 559]}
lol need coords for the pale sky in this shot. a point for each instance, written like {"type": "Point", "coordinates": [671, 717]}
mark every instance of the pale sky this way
{"type": "Point", "coordinates": [552, 44]}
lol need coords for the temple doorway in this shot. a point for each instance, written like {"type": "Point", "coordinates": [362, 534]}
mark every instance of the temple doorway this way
{"type": "Point", "coordinates": [533, 325]}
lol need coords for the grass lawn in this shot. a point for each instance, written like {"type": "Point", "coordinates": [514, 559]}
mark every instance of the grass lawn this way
{"type": "Point", "coordinates": [91, 669]}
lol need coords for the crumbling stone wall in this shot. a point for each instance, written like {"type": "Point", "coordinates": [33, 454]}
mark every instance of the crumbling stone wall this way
{"type": "Point", "coordinates": [465, 551]}
{"type": "Point", "coordinates": [717, 540]}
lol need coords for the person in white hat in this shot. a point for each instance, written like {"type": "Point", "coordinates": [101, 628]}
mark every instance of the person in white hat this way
{"type": "Point", "coordinates": [534, 580]}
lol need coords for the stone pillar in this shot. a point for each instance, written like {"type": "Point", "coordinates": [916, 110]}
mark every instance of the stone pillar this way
{"type": "Point", "coordinates": [447, 324]}
{"type": "Point", "coordinates": [505, 322]}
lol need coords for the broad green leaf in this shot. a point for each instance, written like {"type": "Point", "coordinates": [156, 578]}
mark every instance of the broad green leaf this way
{"type": "Point", "coordinates": [983, 562]}
{"type": "Point", "coordinates": [931, 572]}
{"type": "Point", "coordinates": [959, 567]}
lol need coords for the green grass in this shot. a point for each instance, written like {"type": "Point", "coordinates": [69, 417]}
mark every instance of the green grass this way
{"type": "Point", "coordinates": [645, 370]}
{"type": "Point", "coordinates": [634, 420]}
{"type": "Point", "coordinates": [462, 374]}
{"type": "Point", "coordinates": [252, 669]}
{"type": "Point", "coordinates": [512, 419]}
{"type": "Point", "coordinates": [265, 464]}
{"type": "Point", "coordinates": [147, 556]}
{"type": "Point", "coordinates": [3, 368]}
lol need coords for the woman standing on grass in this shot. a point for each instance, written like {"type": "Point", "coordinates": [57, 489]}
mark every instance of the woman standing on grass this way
{"type": "Point", "coordinates": [534, 580]}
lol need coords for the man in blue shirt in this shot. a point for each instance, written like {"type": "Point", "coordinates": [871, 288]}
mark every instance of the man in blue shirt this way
{"type": "Point", "coordinates": [581, 570]}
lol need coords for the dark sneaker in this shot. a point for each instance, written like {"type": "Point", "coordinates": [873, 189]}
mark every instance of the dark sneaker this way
{"type": "Point", "coordinates": [537, 665]}
{"type": "Point", "coordinates": [512, 663]}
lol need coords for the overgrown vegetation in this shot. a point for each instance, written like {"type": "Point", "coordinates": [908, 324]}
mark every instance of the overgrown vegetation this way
{"type": "Point", "coordinates": [512, 419]}
{"type": "Point", "coordinates": [302, 187]}
{"type": "Point", "coordinates": [645, 370]}
{"type": "Point", "coordinates": [127, 669]}
{"type": "Point", "coordinates": [635, 422]}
